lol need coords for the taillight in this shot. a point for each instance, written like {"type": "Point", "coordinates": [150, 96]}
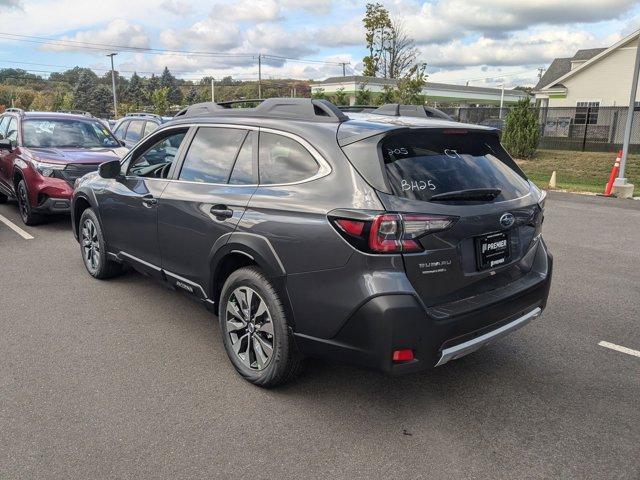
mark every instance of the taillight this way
{"type": "Point", "coordinates": [389, 232]}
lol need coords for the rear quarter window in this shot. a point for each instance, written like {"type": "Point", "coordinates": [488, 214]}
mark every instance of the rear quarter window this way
{"type": "Point", "coordinates": [422, 164]}
{"type": "Point", "coordinates": [283, 160]}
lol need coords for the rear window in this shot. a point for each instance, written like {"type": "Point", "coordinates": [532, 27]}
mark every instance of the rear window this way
{"type": "Point", "coordinates": [422, 164]}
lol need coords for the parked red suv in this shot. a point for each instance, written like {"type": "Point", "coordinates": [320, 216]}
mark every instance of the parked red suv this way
{"type": "Point", "coordinates": [42, 154]}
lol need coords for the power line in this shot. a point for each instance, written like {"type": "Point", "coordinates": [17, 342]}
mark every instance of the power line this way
{"type": "Point", "coordinates": [150, 50]}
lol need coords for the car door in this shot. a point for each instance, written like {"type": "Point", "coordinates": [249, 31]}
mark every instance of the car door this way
{"type": "Point", "coordinates": [9, 130]}
{"type": "Point", "coordinates": [4, 172]}
{"type": "Point", "coordinates": [133, 133]}
{"type": "Point", "coordinates": [121, 130]}
{"type": "Point", "coordinates": [129, 205]}
{"type": "Point", "coordinates": [205, 201]}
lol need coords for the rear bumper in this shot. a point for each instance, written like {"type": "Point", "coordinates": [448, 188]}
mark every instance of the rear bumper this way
{"type": "Point", "coordinates": [387, 323]}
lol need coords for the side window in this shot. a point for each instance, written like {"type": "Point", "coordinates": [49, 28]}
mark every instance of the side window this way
{"type": "Point", "coordinates": [3, 126]}
{"type": "Point", "coordinates": [243, 169]}
{"type": "Point", "coordinates": [119, 132]}
{"type": "Point", "coordinates": [12, 131]}
{"type": "Point", "coordinates": [156, 160]}
{"type": "Point", "coordinates": [134, 132]}
{"type": "Point", "coordinates": [149, 127]}
{"type": "Point", "coordinates": [211, 154]}
{"type": "Point", "coordinates": [283, 160]}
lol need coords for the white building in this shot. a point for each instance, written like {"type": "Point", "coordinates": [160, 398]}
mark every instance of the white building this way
{"type": "Point", "coordinates": [595, 77]}
{"type": "Point", "coordinates": [435, 93]}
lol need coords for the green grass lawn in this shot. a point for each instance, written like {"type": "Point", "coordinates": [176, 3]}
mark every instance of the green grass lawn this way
{"type": "Point", "coordinates": [578, 171]}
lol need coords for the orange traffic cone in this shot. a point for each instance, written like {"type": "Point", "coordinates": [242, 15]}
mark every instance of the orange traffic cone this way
{"type": "Point", "coordinates": [614, 173]}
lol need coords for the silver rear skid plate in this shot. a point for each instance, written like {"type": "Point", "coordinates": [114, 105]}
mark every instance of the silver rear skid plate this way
{"type": "Point", "coordinates": [474, 344]}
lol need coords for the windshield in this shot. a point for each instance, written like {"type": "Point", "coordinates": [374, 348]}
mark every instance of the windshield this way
{"type": "Point", "coordinates": [66, 133]}
{"type": "Point", "coordinates": [421, 165]}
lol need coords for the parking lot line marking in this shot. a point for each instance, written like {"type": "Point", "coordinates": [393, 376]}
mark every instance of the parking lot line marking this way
{"type": "Point", "coordinates": [619, 348]}
{"type": "Point", "coordinates": [15, 228]}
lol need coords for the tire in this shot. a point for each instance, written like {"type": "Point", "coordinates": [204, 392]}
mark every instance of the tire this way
{"type": "Point", "coordinates": [3, 198]}
{"type": "Point", "coordinates": [266, 326]}
{"type": "Point", "coordinates": [93, 248]}
{"type": "Point", "coordinates": [29, 217]}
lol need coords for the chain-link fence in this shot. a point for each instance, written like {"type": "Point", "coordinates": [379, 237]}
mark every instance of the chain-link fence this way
{"type": "Point", "coordinates": [596, 129]}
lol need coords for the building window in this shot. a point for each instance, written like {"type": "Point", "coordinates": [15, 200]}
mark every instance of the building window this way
{"type": "Point", "coordinates": [587, 109]}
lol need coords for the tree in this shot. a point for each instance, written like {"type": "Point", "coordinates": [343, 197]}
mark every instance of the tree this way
{"type": "Point", "coordinates": [378, 26]}
{"type": "Point", "coordinates": [73, 75]}
{"type": "Point", "coordinates": [408, 89]}
{"type": "Point", "coordinates": [400, 53]}
{"type": "Point", "coordinates": [167, 80]}
{"type": "Point", "coordinates": [363, 95]}
{"type": "Point", "coordinates": [135, 93]}
{"type": "Point", "coordinates": [160, 100]}
{"type": "Point", "coordinates": [319, 94]}
{"type": "Point", "coordinates": [521, 131]}
{"type": "Point", "coordinates": [340, 98]}
{"type": "Point", "coordinates": [192, 96]}
{"type": "Point", "coordinates": [102, 102]}
{"type": "Point", "coordinates": [83, 91]}
{"type": "Point", "coordinates": [388, 95]}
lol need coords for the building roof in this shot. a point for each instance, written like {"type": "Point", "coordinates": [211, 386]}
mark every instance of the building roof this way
{"type": "Point", "coordinates": [587, 53]}
{"type": "Point", "coordinates": [439, 86]}
{"type": "Point", "coordinates": [558, 70]}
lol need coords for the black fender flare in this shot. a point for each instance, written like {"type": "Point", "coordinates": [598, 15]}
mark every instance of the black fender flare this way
{"type": "Point", "coordinates": [87, 195]}
{"type": "Point", "coordinates": [259, 250]}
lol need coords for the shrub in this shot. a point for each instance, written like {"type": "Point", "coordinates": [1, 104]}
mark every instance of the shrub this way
{"type": "Point", "coordinates": [521, 131]}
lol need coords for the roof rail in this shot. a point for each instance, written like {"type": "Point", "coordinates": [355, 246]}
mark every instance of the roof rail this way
{"type": "Point", "coordinates": [399, 110]}
{"type": "Point", "coordinates": [292, 108]}
{"type": "Point", "coordinates": [14, 110]}
{"type": "Point", "coordinates": [142, 114]}
{"type": "Point", "coordinates": [76, 112]}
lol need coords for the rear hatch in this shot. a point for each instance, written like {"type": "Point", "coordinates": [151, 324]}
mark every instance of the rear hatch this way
{"type": "Point", "coordinates": [464, 175]}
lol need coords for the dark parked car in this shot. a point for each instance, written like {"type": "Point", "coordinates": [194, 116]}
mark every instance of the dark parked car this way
{"type": "Point", "coordinates": [134, 126]}
{"type": "Point", "coordinates": [393, 243]}
{"type": "Point", "coordinates": [42, 154]}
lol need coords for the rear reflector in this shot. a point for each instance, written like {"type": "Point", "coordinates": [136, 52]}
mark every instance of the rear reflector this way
{"type": "Point", "coordinates": [405, 355]}
{"type": "Point", "coordinates": [352, 227]}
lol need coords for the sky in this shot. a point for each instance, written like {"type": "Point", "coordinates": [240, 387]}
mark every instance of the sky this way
{"type": "Point", "coordinates": [482, 42]}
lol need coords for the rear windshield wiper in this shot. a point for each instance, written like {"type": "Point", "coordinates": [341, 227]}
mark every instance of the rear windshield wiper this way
{"type": "Point", "coordinates": [478, 194]}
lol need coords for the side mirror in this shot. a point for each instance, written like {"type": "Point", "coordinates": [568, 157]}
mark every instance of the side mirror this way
{"type": "Point", "coordinates": [6, 144]}
{"type": "Point", "coordinates": [110, 169]}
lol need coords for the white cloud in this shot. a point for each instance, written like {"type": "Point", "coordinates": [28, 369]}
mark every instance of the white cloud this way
{"type": "Point", "coordinates": [537, 47]}
{"type": "Point", "coordinates": [207, 34]}
{"type": "Point", "coordinates": [177, 7]}
{"type": "Point", "coordinates": [10, 4]}
{"type": "Point", "coordinates": [246, 10]}
{"type": "Point", "coordinates": [117, 32]}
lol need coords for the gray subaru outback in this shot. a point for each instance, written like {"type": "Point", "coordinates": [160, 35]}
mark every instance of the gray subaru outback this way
{"type": "Point", "coordinates": [392, 242]}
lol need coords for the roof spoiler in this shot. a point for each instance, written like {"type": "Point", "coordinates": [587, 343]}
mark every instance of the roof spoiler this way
{"type": "Point", "coordinates": [314, 110]}
{"type": "Point", "coordinates": [421, 111]}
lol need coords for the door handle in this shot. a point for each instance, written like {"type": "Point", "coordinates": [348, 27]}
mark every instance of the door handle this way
{"type": "Point", "coordinates": [221, 212]}
{"type": "Point", "coordinates": [149, 201]}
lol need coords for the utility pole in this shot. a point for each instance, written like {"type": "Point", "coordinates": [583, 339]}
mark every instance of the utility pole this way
{"type": "Point", "coordinates": [626, 189]}
{"type": "Point", "coordinates": [113, 84]}
{"type": "Point", "coordinates": [213, 89]}
{"type": "Point", "coordinates": [541, 71]}
{"type": "Point", "coordinates": [259, 76]}
{"type": "Point", "coordinates": [344, 69]}
{"type": "Point", "coordinates": [501, 100]}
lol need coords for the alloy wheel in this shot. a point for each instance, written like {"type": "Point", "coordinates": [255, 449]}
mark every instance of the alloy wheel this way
{"type": "Point", "coordinates": [90, 245]}
{"type": "Point", "coordinates": [250, 328]}
{"type": "Point", "coordinates": [23, 202]}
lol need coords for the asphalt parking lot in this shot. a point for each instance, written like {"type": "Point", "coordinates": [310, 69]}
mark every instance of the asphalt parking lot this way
{"type": "Point", "coordinates": [126, 379]}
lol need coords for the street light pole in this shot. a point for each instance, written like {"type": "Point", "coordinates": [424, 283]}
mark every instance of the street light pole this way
{"type": "Point", "coordinates": [213, 90]}
{"type": "Point", "coordinates": [501, 100]}
{"type": "Point", "coordinates": [259, 76]}
{"type": "Point", "coordinates": [113, 84]}
{"type": "Point", "coordinates": [621, 180]}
